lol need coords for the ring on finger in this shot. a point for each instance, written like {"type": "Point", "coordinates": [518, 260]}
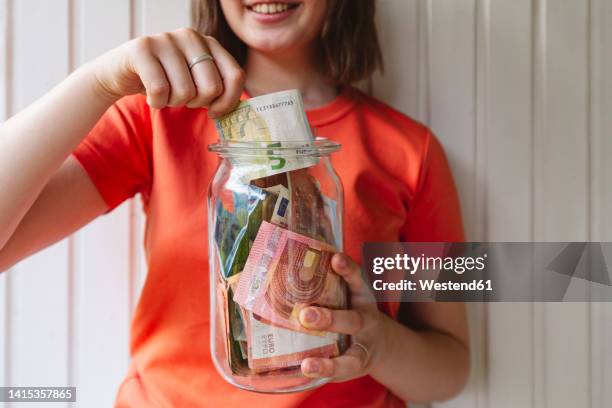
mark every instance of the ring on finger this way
{"type": "Point", "coordinates": [365, 350]}
{"type": "Point", "coordinates": [196, 60]}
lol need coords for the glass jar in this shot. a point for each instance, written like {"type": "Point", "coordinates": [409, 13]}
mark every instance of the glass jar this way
{"type": "Point", "coordinates": [275, 219]}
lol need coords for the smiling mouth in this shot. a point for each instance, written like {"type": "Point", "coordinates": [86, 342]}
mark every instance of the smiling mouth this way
{"type": "Point", "coordinates": [272, 8]}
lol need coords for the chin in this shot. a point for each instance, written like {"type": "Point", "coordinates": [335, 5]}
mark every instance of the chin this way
{"type": "Point", "coordinates": [273, 45]}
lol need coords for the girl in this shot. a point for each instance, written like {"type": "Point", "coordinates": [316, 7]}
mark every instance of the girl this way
{"type": "Point", "coordinates": [138, 120]}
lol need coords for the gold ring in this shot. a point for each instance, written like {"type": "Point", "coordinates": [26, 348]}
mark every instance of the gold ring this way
{"type": "Point", "coordinates": [200, 58]}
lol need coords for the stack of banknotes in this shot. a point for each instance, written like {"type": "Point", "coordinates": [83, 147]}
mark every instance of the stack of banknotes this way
{"type": "Point", "coordinates": [274, 235]}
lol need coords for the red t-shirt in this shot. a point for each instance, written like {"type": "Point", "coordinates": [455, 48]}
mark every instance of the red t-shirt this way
{"type": "Point", "coordinates": [397, 184]}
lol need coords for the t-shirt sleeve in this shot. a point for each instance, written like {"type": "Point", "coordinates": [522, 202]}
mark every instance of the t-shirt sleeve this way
{"type": "Point", "coordinates": [116, 154]}
{"type": "Point", "coordinates": [434, 214]}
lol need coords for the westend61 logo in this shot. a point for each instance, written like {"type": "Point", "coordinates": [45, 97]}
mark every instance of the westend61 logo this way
{"type": "Point", "coordinates": [411, 264]}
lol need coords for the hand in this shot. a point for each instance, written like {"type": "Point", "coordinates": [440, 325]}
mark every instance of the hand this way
{"type": "Point", "coordinates": [158, 67]}
{"type": "Point", "coordinates": [363, 322]}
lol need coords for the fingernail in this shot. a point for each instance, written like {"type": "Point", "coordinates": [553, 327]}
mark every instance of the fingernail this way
{"type": "Point", "coordinates": [341, 262]}
{"type": "Point", "coordinates": [310, 315]}
{"type": "Point", "coordinates": [313, 367]}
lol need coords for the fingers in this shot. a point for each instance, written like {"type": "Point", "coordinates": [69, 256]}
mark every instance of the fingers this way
{"type": "Point", "coordinates": [337, 321]}
{"type": "Point", "coordinates": [205, 74]}
{"type": "Point", "coordinates": [162, 63]}
{"type": "Point", "coordinates": [350, 271]}
{"type": "Point", "coordinates": [182, 87]}
{"type": "Point", "coordinates": [151, 74]}
{"type": "Point", "coordinates": [349, 365]}
{"type": "Point", "coordinates": [233, 79]}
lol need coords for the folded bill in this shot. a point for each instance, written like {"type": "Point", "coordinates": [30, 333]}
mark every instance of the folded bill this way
{"type": "Point", "coordinates": [272, 348]}
{"type": "Point", "coordinates": [237, 363]}
{"type": "Point", "coordinates": [276, 120]}
{"type": "Point", "coordinates": [278, 116]}
{"type": "Point", "coordinates": [285, 272]}
{"type": "Point", "coordinates": [308, 214]}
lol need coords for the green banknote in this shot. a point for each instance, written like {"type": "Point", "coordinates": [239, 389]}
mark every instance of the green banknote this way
{"type": "Point", "coordinates": [277, 120]}
{"type": "Point", "coordinates": [237, 222]}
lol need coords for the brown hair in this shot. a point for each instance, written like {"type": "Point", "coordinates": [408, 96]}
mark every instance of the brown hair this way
{"type": "Point", "coordinates": [349, 42]}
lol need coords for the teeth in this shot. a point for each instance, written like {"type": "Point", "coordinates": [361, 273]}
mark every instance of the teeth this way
{"type": "Point", "coordinates": [270, 8]}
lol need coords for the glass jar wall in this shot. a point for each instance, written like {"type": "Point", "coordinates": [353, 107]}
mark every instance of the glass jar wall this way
{"type": "Point", "coordinates": [275, 220]}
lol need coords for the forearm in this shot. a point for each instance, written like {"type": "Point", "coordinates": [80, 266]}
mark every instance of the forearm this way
{"type": "Point", "coordinates": [35, 142]}
{"type": "Point", "coordinates": [420, 366]}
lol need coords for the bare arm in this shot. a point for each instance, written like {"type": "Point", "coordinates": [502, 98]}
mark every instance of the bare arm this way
{"type": "Point", "coordinates": [35, 142]}
{"type": "Point", "coordinates": [429, 364]}
{"type": "Point", "coordinates": [39, 202]}
{"type": "Point", "coordinates": [67, 202]}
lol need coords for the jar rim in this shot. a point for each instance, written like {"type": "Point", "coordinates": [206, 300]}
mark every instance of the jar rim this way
{"type": "Point", "coordinates": [319, 147]}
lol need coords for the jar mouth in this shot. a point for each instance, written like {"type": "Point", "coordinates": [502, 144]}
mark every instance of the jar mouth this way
{"type": "Point", "coordinates": [320, 147]}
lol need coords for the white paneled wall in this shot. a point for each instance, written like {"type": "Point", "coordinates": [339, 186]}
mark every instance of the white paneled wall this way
{"type": "Point", "coordinates": [519, 92]}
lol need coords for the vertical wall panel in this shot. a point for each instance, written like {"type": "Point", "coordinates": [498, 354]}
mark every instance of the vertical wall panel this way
{"type": "Point", "coordinates": [138, 262]}
{"type": "Point", "coordinates": [4, 56]}
{"type": "Point", "coordinates": [601, 205]}
{"type": "Point", "coordinates": [4, 95]}
{"type": "Point", "coordinates": [561, 192]}
{"type": "Point", "coordinates": [95, 18]}
{"type": "Point", "coordinates": [508, 170]}
{"type": "Point", "coordinates": [102, 262]}
{"type": "Point", "coordinates": [603, 127]}
{"type": "Point", "coordinates": [39, 284]}
{"type": "Point", "coordinates": [603, 85]}
{"type": "Point", "coordinates": [150, 17]}
{"type": "Point", "coordinates": [452, 102]}
{"type": "Point", "coordinates": [452, 87]}
{"type": "Point", "coordinates": [159, 15]}
{"type": "Point", "coordinates": [399, 29]}
{"type": "Point", "coordinates": [103, 307]}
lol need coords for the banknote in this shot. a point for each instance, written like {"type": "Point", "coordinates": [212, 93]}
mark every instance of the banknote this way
{"type": "Point", "coordinates": [236, 315]}
{"type": "Point", "coordinates": [308, 214]}
{"type": "Point", "coordinates": [233, 326]}
{"type": "Point", "coordinates": [278, 116]}
{"type": "Point", "coordinates": [273, 120]}
{"type": "Point", "coordinates": [238, 218]}
{"type": "Point", "coordinates": [285, 272]}
{"type": "Point", "coordinates": [271, 181]}
{"type": "Point", "coordinates": [280, 213]}
{"type": "Point", "coordinates": [237, 363]}
{"type": "Point", "coordinates": [272, 348]}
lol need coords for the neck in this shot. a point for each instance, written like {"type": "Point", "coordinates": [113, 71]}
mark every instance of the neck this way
{"type": "Point", "coordinates": [289, 70]}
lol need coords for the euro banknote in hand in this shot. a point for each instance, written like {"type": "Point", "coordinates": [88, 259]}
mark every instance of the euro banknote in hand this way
{"type": "Point", "coordinates": [286, 272]}
{"type": "Point", "coordinates": [273, 348]}
{"type": "Point", "coordinates": [276, 120]}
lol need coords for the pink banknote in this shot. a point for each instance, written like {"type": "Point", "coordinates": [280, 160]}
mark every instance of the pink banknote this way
{"type": "Point", "coordinates": [285, 272]}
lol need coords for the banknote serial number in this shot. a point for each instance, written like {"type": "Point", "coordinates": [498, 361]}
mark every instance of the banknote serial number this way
{"type": "Point", "coordinates": [480, 285]}
{"type": "Point", "coordinates": [276, 105]}
{"type": "Point", "coordinates": [38, 394]}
